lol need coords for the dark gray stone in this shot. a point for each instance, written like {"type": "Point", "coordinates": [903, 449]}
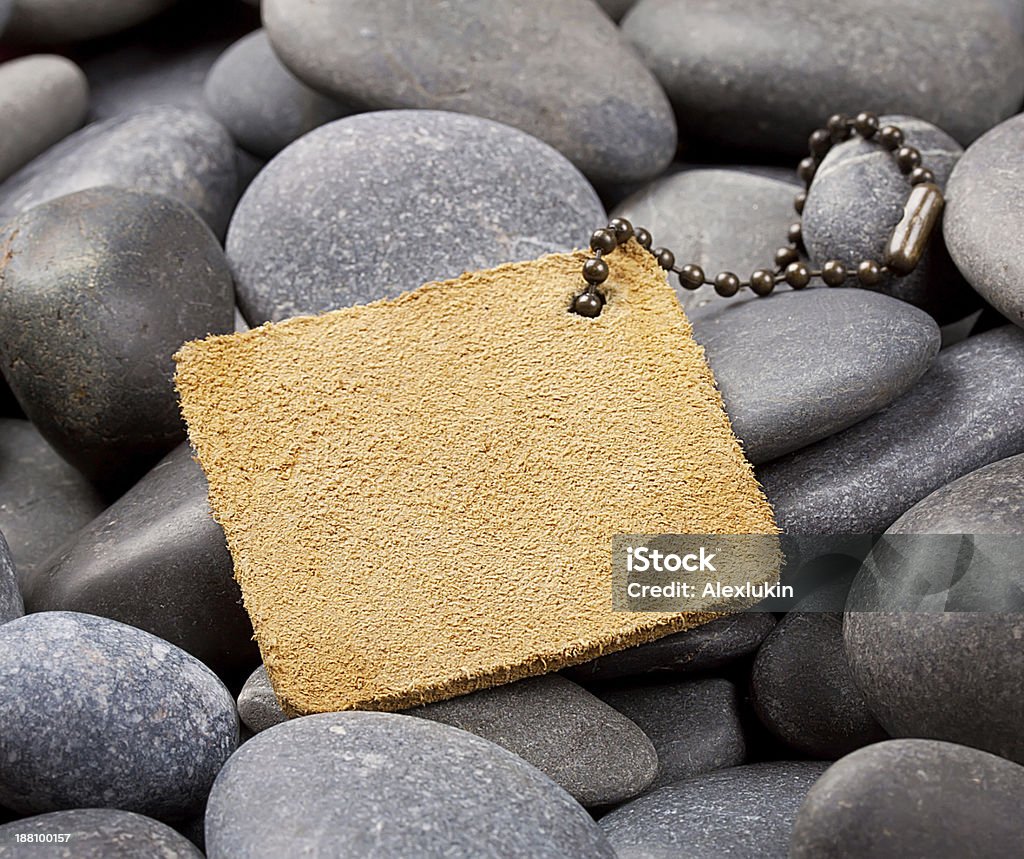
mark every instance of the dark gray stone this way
{"type": "Point", "coordinates": [42, 100]}
{"type": "Point", "coordinates": [739, 812]}
{"type": "Point", "coordinates": [590, 749]}
{"type": "Point", "coordinates": [362, 784]}
{"type": "Point", "coordinates": [694, 725]}
{"type": "Point", "coordinates": [95, 833]}
{"type": "Point", "coordinates": [967, 411]}
{"type": "Point", "coordinates": [803, 691]}
{"type": "Point", "coordinates": [795, 368]}
{"type": "Point", "coordinates": [100, 289]}
{"type": "Point", "coordinates": [182, 154]}
{"type": "Point", "coordinates": [985, 215]}
{"type": "Point", "coordinates": [764, 75]}
{"type": "Point", "coordinates": [99, 714]}
{"type": "Point", "coordinates": [560, 71]}
{"type": "Point", "coordinates": [257, 704]}
{"type": "Point", "coordinates": [54, 22]}
{"type": "Point", "coordinates": [376, 204]}
{"type": "Point", "coordinates": [616, 8]}
{"type": "Point", "coordinates": [43, 500]}
{"type": "Point", "coordinates": [11, 605]}
{"type": "Point", "coordinates": [262, 104]}
{"type": "Point", "coordinates": [5, 13]}
{"type": "Point", "coordinates": [857, 199]}
{"type": "Point", "coordinates": [156, 560]}
{"type": "Point", "coordinates": [913, 798]}
{"type": "Point", "coordinates": [704, 648]}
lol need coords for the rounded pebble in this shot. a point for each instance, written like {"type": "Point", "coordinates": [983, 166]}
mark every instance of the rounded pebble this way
{"type": "Point", "coordinates": [11, 604]}
{"type": "Point", "coordinates": [53, 22]}
{"type": "Point", "coordinates": [258, 707]}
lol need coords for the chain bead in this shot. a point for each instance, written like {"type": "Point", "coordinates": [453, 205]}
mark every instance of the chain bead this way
{"type": "Point", "coordinates": [622, 228]}
{"type": "Point", "coordinates": [798, 275]}
{"type": "Point", "coordinates": [727, 284]}
{"type": "Point", "coordinates": [806, 170]}
{"type": "Point", "coordinates": [785, 256]}
{"type": "Point", "coordinates": [819, 142]}
{"type": "Point", "coordinates": [921, 175]}
{"type": "Point", "coordinates": [866, 124]}
{"type": "Point", "coordinates": [664, 257]}
{"type": "Point", "coordinates": [762, 282]}
{"type": "Point", "coordinates": [595, 271]}
{"type": "Point", "coordinates": [799, 202]}
{"type": "Point", "coordinates": [890, 137]}
{"type": "Point", "coordinates": [907, 158]}
{"type": "Point", "coordinates": [603, 241]}
{"type": "Point", "coordinates": [833, 273]}
{"type": "Point", "coordinates": [838, 126]}
{"type": "Point", "coordinates": [691, 276]}
{"type": "Point", "coordinates": [588, 304]}
{"type": "Point", "coordinates": [643, 238]}
{"type": "Point", "coordinates": [795, 234]}
{"type": "Point", "coordinates": [869, 273]}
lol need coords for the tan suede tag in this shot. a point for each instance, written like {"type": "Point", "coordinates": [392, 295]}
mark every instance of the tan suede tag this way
{"type": "Point", "coordinates": [420, 494]}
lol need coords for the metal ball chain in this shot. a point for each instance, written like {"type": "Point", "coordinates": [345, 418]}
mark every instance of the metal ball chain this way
{"type": "Point", "coordinates": [903, 252]}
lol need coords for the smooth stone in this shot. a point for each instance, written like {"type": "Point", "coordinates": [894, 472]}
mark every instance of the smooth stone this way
{"type": "Point", "coordinates": [590, 749]}
{"type": "Point", "coordinates": [795, 368]}
{"type": "Point", "coordinates": [156, 560]}
{"type": "Point", "coordinates": [100, 289]}
{"type": "Point", "coordinates": [262, 104]}
{"type": "Point", "coordinates": [984, 209]}
{"type": "Point", "coordinates": [562, 71]}
{"type": "Point", "coordinates": [362, 784]}
{"type": "Point", "coordinates": [11, 604]}
{"type": "Point", "coordinates": [258, 707]}
{"type": "Point", "coordinates": [694, 724]}
{"type": "Point", "coordinates": [705, 648]}
{"type": "Point", "coordinates": [5, 13]}
{"type": "Point", "coordinates": [844, 220]}
{"type": "Point", "coordinates": [616, 8]}
{"type": "Point", "coordinates": [738, 812]}
{"type": "Point", "coordinates": [764, 75]}
{"type": "Point", "coordinates": [373, 205]}
{"type": "Point", "coordinates": [739, 223]}
{"type": "Point", "coordinates": [54, 22]}
{"type": "Point", "coordinates": [967, 411]}
{"type": "Point", "coordinates": [43, 500]}
{"type": "Point", "coordinates": [907, 798]}
{"type": "Point", "coordinates": [95, 833]}
{"type": "Point", "coordinates": [43, 98]}
{"type": "Point", "coordinates": [99, 714]}
{"type": "Point", "coordinates": [803, 691]}
{"type": "Point", "coordinates": [182, 154]}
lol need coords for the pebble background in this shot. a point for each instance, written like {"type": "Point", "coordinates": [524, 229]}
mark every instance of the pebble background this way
{"type": "Point", "coordinates": [172, 168]}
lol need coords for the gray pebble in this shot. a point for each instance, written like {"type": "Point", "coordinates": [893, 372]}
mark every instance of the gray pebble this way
{"type": "Point", "coordinates": [560, 71]}
{"type": "Point", "coordinates": [764, 75]}
{"type": "Point", "coordinates": [795, 368]}
{"type": "Point", "coordinates": [258, 707]}
{"type": "Point", "coordinates": [908, 798]}
{"type": "Point", "coordinates": [5, 13]}
{"type": "Point", "coordinates": [967, 411]}
{"type": "Point", "coordinates": [616, 8]}
{"type": "Point", "coordinates": [183, 154]}
{"type": "Point", "coordinates": [95, 833]}
{"type": "Point", "coordinates": [857, 199]}
{"type": "Point", "coordinates": [985, 217]}
{"type": "Point", "coordinates": [742, 813]}
{"type": "Point", "coordinates": [593, 751]}
{"type": "Point", "coordinates": [43, 99]}
{"type": "Point", "coordinates": [11, 605]}
{"type": "Point", "coordinates": [157, 560]}
{"type": "Point", "coordinates": [52, 22]}
{"type": "Point", "coordinates": [100, 289]}
{"type": "Point", "coordinates": [694, 724]}
{"type": "Point", "coordinates": [373, 205]}
{"type": "Point", "coordinates": [360, 784]}
{"type": "Point", "coordinates": [262, 104]}
{"type": "Point", "coordinates": [97, 713]}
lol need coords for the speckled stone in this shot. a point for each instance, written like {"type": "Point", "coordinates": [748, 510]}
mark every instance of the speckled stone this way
{"type": "Point", "coordinates": [985, 208]}
{"type": "Point", "coordinates": [856, 200]}
{"type": "Point", "coordinates": [560, 71]}
{"type": "Point", "coordinates": [803, 690]}
{"type": "Point", "coordinates": [43, 500]}
{"type": "Point", "coordinates": [100, 289]}
{"type": "Point", "coordinates": [694, 724]}
{"type": "Point", "coordinates": [795, 368]}
{"type": "Point", "coordinates": [262, 104]}
{"type": "Point", "coordinates": [182, 154]}
{"type": "Point", "coordinates": [739, 812]}
{"type": "Point", "coordinates": [96, 833]}
{"type": "Point", "coordinates": [42, 100]}
{"type": "Point", "coordinates": [721, 220]}
{"type": "Point", "coordinates": [434, 194]}
{"type": "Point", "coordinates": [156, 560]}
{"type": "Point", "coordinates": [705, 648]}
{"type": "Point", "coordinates": [11, 605]}
{"type": "Point", "coordinates": [967, 411]}
{"type": "Point", "coordinates": [257, 705]}
{"type": "Point", "coordinates": [590, 749]}
{"type": "Point", "coordinates": [764, 75]}
{"type": "Point", "coordinates": [97, 713]}
{"type": "Point", "coordinates": [358, 784]}
{"type": "Point", "coordinates": [908, 798]}
{"type": "Point", "coordinates": [53, 22]}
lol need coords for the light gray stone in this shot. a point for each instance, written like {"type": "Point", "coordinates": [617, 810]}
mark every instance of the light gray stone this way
{"type": "Point", "coordinates": [360, 784]}
{"type": "Point", "coordinates": [54, 22]}
{"type": "Point", "coordinates": [257, 704]}
{"type": "Point", "coordinates": [11, 605]}
{"type": "Point", "coordinates": [560, 71]}
{"type": "Point", "coordinates": [373, 205]}
{"type": "Point", "coordinates": [795, 368]}
{"type": "Point", "coordinates": [99, 714]}
{"type": "Point", "coordinates": [43, 98]}
{"type": "Point", "coordinates": [764, 75]}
